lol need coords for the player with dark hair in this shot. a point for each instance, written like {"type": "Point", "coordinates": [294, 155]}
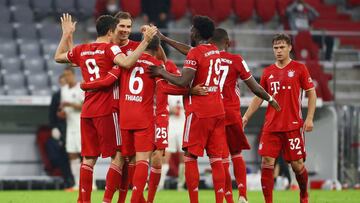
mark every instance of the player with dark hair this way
{"type": "Point", "coordinates": [283, 131]}
{"type": "Point", "coordinates": [204, 114]}
{"type": "Point", "coordinates": [99, 128]}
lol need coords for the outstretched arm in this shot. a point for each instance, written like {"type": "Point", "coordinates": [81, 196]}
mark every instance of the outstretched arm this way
{"type": "Point", "coordinates": [66, 41]}
{"type": "Point", "coordinates": [101, 83]}
{"type": "Point", "coordinates": [183, 80]}
{"type": "Point", "coordinates": [181, 47]}
{"type": "Point", "coordinates": [128, 61]}
{"type": "Point", "coordinates": [253, 107]}
{"type": "Point", "coordinates": [261, 93]}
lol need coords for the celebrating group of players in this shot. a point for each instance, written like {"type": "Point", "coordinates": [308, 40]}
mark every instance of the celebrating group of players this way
{"type": "Point", "coordinates": [125, 115]}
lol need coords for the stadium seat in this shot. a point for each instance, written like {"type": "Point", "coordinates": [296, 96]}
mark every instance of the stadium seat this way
{"type": "Point", "coordinates": [19, 2]}
{"type": "Point", "coordinates": [14, 81]}
{"type": "Point", "coordinates": [201, 7]}
{"type": "Point", "coordinates": [222, 9]}
{"type": "Point", "coordinates": [50, 32]}
{"type": "Point", "coordinates": [178, 8]}
{"type": "Point", "coordinates": [41, 92]}
{"type": "Point", "coordinates": [29, 49]}
{"type": "Point", "coordinates": [23, 14]}
{"type": "Point", "coordinates": [42, 8]}
{"type": "Point", "coordinates": [37, 81]}
{"type": "Point", "coordinates": [265, 9]}
{"type": "Point", "coordinates": [305, 51]}
{"type": "Point", "coordinates": [6, 33]}
{"type": "Point", "coordinates": [26, 32]}
{"type": "Point", "coordinates": [86, 8]}
{"type": "Point", "coordinates": [322, 80]}
{"type": "Point", "coordinates": [34, 66]}
{"type": "Point", "coordinates": [244, 9]}
{"type": "Point", "coordinates": [8, 49]}
{"type": "Point", "coordinates": [4, 14]}
{"type": "Point", "coordinates": [67, 6]}
{"type": "Point", "coordinates": [49, 49]}
{"type": "Point", "coordinates": [133, 7]}
{"type": "Point", "coordinates": [17, 91]}
{"type": "Point", "coordinates": [55, 68]}
{"type": "Point", "coordinates": [11, 66]}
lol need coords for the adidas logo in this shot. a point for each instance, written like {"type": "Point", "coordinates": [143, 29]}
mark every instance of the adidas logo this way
{"type": "Point", "coordinates": [134, 188]}
{"type": "Point", "coordinates": [196, 189]}
{"type": "Point", "coordinates": [83, 190]}
{"type": "Point", "coordinates": [165, 142]}
{"type": "Point", "coordinates": [299, 153]}
{"type": "Point", "coordinates": [240, 185]}
{"type": "Point", "coordinates": [220, 191]}
{"type": "Point", "coordinates": [228, 193]}
{"type": "Point", "coordinates": [271, 76]}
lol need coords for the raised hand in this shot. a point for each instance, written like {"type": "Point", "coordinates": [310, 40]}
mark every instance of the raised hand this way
{"type": "Point", "coordinates": [67, 25]}
{"type": "Point", "coordinates": [149, 33]}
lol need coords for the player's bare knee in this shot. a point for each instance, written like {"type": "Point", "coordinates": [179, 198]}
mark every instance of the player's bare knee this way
{"type": "Point", "coordinates": [269, 161]}
{"type": "Point", "coordinates": [91, 161]}
{"type": "Point", "coordinates": [297, 165]}
{"type": "Point", "coordinates": [156, 158]}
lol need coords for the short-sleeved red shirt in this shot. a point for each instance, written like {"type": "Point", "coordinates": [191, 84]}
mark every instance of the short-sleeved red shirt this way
{"type": "Point", "coordinates": [95, 60]}
{"type": "Point", "coordinates": [287, 85]}
{"type": "Point", "coordinates": [232, 67]}
{"type": "Point", "coordinates": [205, 59]}
{"type": "Point", "coordinates": [137, 90]}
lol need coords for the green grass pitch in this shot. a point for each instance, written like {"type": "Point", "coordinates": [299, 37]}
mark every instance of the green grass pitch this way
{"type": "Point", "coordinates": [171, 196]}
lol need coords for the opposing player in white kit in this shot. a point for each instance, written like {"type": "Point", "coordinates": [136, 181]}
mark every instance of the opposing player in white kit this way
{"type": "Point", "coordinates": [175, 132]}
{"type": "Point", "coordinates": [72, 98]}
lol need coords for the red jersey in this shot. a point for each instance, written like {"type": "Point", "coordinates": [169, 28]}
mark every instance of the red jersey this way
{"type": "Point", "coordinates": [161, 97]}
{"type": "Point", "coordinates": [205, 59]}
{"type": "Point", "coordinates": [137, 90]}
{"type": "Point", "coordinates": [232, 67]}
{"type": "Point", "coordinates": [95, 60]}
{"type": "Point", "coordinates": [286, 84]}
{"type": "Point", "coordinates": [128, 48]}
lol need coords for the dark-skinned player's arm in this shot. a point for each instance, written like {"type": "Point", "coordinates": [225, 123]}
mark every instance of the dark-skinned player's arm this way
{"type": "Point", "coordinates": [66, 41]}
{"type": "Point", "coordinates": [128, 61]}
{"type": "Point", "coordinates": [183, 80]}
{"type": "Point", "coordinates": [259, 91]}
{"type": "Point", "coordinates": [181, 47]}
{"type": "Point", "coordinates": [100, 83]}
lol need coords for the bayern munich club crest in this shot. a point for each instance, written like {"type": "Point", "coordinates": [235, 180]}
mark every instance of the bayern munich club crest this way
{"type": "Point", "coordinates": [291, 73]}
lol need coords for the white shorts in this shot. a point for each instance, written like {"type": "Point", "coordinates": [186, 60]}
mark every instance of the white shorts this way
{"type": "Point", "coordinates": [73, 141]}
{"type": "Point", "coordinates": [175, 132]}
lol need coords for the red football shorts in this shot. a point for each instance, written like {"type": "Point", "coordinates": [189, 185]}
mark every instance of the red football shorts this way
{"type": "Point", "coordinates": [236, 138]}
{"type": "Point", "coordinates": [138, 140]}
{"type": "Point", "coordinates": [161, 132]}
{"type": "Point", "coordinates": [100, 136]}
{"type": "Point", "coordinates": [291, 144]}
{"type": "Point", "coordinates": [204, 133]}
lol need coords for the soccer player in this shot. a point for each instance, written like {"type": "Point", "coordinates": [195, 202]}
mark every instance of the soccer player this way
{"type": "Point", "coordinates": [72, 98]}
{"type": "Point", "coordinates": [284, 130]}
{"type": "Point", "coordinates": [99, 128]}
{"type": "Point", "coordinates": [232, 68]}
{"type": "Point", "coordinates": [204, 114]}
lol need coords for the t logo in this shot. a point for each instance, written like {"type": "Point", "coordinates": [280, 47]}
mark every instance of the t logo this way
{"type": "Point", "coordinates": [275, 86]}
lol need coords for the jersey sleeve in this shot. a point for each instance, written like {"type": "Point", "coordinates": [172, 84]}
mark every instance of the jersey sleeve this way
{"type": "Point", "coordinates": [306, 82]}
{"type": "Point", "coordinates": [112, 51]}
{"type": "Point", "coordinates": [242, 68]}
{"type": "Point", "coordinates": [100, 83]}
{"type": "Point", "coordinates": [191, 60]}
{"type": "Point", "coordinates": [74, 54]}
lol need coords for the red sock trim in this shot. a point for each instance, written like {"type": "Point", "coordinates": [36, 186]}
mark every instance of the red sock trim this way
{"type": "Point", "coordinates": [87, 167]}
{"type": "Point", "coordinates": [156, 169]}
{"type": "Point", "coordinates": [236, 156]}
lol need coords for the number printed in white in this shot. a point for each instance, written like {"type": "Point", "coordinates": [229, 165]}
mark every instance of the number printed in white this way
{"type": "Point", "coordinates": [93, 68]}
{"type": "Point", "coordinates": [225, 71]}
{"type": "Point", "coordinates": [294, 143]}
{"type": "Point", "coordinates": [161, 133]}
{"type": "Point", "coordinates": [217, 72]}
{"type": "Point", "coordinates": [134, 79]}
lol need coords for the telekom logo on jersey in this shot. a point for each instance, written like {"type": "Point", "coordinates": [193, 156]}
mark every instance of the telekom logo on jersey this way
{"type": "Point", "coordinates": [275, 86]}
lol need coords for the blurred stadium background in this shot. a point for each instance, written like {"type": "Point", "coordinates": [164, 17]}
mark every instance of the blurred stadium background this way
{"type": "Point", "coordinates": [30, 31]}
